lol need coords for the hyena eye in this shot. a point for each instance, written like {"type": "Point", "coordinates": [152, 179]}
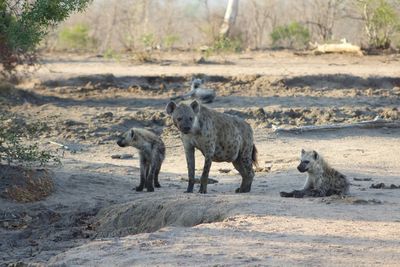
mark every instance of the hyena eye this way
{"type": "Point", "coordinates": [191, 119]}
{"type": "Point", "coordinates": [179, 119]}
{"type": "Point", "coordinates": [306, 161]}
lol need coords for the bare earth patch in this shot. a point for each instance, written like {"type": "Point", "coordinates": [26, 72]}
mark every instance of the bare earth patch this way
{"type": "Point", "coordinates": [25, 185]}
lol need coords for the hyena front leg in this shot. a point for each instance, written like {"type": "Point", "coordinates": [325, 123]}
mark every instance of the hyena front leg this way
{"type": "Point", "coordinates": [321, 190]}
{"type": "Point", "coordinates": [204, 175]}
{"type": "Point", "coordinates": [189, 152]}
{"type": "Point", "coordinates": [143, 173]}
{"type": "Point", "coordinates": [306, 191]}
{"type": "Point", "coordinates": [294, 193]}
{"type": "Point", "coordinates": [156, 183]}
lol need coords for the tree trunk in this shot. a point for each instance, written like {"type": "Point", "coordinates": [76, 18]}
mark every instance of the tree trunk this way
{"type": "Point", "coordinates": [230, 17]}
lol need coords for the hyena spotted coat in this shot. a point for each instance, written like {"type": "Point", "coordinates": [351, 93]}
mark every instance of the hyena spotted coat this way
{"type": "Point", "coordinates": [322, 179]}
{"type": "Point", "coordinates": [151, 152]}
{"type": "Point", "coordinates": [220, 137]}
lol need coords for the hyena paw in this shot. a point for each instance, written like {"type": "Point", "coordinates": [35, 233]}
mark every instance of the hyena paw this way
{"type": "Point", "coordinates": [150, 189]}
{"type": "Point", "coordinates": [203, 190]}
{"type": "Point", "coordinates": [190, 188]}
{"type": "Point", "coordinates": [298, 194]}
{"type": "Point", "coordinates": [139, 188]}
{"type": "Point", "coordinates": [242, 190]}
{"type": "Point", "coordinates": [286, 194]}
{"type": "Point", "coordinates": [157, 184]}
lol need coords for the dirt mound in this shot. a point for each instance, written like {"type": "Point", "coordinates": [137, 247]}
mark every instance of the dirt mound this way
{"type": "Point", "coordinates": [101, 81]}
{"type": "Point", "coordinates": [260, 117]}
{"type": "Point", "coordinates": [149, 215]}
{"type": "Point", "coordinates": [341, 81]}
{"type": "Point", "coordinates": [25, 185]}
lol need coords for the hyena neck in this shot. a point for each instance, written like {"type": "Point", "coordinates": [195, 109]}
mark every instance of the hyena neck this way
{"type": "Point", "coordinates": [323, 168]}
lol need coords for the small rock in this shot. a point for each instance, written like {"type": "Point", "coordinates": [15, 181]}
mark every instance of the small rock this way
{"type": "Point", "coordinates": [122, 156]}
{"type": "Point", "coordinates": [362, 179]}
{"type": "Point", "coordinates": [106, 115]}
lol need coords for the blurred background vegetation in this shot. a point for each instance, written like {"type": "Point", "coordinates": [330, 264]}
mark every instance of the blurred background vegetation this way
{"type": "Point", "coordinates": [260, 24]}
{"type": "Point", "coordinates": [112, 27]}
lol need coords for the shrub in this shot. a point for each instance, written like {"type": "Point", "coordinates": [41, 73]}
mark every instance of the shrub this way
{"type": "Point", "coordinates": [12, 149]}
{"type": "Point", "coordinates": [381, 21]}
{"type": "Point", "coordinates": [226, 44]}
{"type": "Point", "coordinates": [293, 36]}
{"type": "Point", "coordinates": [170, 40]}
{"type": "Point", "coordinates": [76, 37]}
{"type": "Point", "coordinates": [148, 40]}
{"type": "Point", "coordinates": [23, 24]}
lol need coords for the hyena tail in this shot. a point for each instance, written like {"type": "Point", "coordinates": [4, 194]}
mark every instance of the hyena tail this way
{"type": "Point", "coordinates": [254, 156]}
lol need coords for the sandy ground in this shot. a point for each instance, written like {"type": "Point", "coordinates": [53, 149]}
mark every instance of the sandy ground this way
{"type": "Point", "coordinates": [95, 219]}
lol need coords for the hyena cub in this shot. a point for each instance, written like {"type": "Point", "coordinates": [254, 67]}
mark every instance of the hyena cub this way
{"type": "Point", "coordinates": [151, 152]}
{"type": "Point", "coordinates": [322, 180]}
{"type": "Point", "coordinates": [220, 137]}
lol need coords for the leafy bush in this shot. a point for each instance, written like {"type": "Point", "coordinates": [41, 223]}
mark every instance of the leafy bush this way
{"type": "Point", "coordinates": [170, 40]}
{"type": "Point", "coordinates": [293, 36]}
{"type": "Point", "coordinates": [143, 56]}
{"type": "Point", "coordinates": [23, 24]}
{"type": "Point", "coordinates": [12, 149]}
{"type": "Point", "coordinates": [148, 40]}
{"type": "Point", "coordinates": [226, 44]}
{"type": "Point", "coordinates": [381, 21]}
{"type": "Point", "coordinates": [76, 37]}
{"type": "Point", "coordinates": [112, 54]}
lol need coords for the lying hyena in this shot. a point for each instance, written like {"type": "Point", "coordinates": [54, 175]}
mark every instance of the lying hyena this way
{"type": "Point", "coordinates": [152, 153]}
{"type": "Point", "coordinates": [220, 137]}
{"type": "Point", "coordinates": [322, 180]}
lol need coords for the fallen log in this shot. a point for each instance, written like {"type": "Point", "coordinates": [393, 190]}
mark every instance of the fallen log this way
{"type": "Point", "coordinates": [343, 47]}
{"type": "Point", "coordinates": [371, 124]}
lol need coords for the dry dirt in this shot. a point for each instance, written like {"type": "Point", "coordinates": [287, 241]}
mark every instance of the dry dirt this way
{"type": "Point", "coordinates": [94, 218]}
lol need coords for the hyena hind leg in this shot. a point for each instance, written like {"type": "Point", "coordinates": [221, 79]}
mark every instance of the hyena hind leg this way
{"type": "Point", "coordinates": [156, 182]}
{"type": "Point", "coordinates": [245, 168]}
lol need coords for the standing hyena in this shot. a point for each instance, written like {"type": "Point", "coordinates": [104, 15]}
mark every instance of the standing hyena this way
{"type": "Point", "coordinates": [151, 152]}
{"type": "Point", "coordinates": [322, 180]}
{"type": "Point", "coordinates": [220, 137]}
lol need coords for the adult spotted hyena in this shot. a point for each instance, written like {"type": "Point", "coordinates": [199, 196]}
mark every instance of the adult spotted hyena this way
{"type": "Point", "coordinates": [151, 152]}
{"type": "Point", "coordinates": [220, 137]}
{"type": "Point", "coordinates": [322, 180]}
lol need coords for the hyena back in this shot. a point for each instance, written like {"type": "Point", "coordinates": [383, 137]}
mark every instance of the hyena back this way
{"type": "Point", "coordinates": [220, 138]}
{"type": "Point", "coordinates": [151, 152]}
{"type": "Point", "coordinates": [322, 179]}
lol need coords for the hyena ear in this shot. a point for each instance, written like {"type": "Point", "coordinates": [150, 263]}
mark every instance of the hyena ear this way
{"type": "Point", "coordinates": [195, 106]}
{"type": "Point", "coordinates": [303, 151]}
{"type": "Point", "coordinates": [170, 107]}
{"type": "Point", "coordinates": [132, 133]}
{"type": "Point", "coordinates": [315, 154]}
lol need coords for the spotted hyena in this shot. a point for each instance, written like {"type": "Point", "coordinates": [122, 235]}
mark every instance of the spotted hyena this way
{"type": "Point", "coordinates": [322, 180]}
{"type": "Point", "coordinates": [220, 137]}
{"type": "Point", "coordinates": [151, 152]}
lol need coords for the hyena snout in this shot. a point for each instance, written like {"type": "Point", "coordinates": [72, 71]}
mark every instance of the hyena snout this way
{"type": "Point", "coordinates": [186, 129]}
{"type": "Point", "coordinates": [185, 125]}
{"type": "Point", "coordinates": [121, 142]}
{"type": "Point", "coordinates": [302, 167]}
